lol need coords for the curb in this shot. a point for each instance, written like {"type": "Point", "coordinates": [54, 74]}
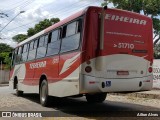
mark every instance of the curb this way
{"type": "Point", "coordinates": [139, 95]}
{"type": "Point", "coordinates": [3, 85]}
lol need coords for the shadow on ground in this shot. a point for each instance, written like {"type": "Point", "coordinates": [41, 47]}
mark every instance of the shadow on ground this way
{"type": "Point", "coordinates": [79, 107]}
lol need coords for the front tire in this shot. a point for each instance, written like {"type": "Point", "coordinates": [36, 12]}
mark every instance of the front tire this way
{"type": "Point", "coordinates": [96, 98]}
{"type": "Point", "coordinates": [44, 93]}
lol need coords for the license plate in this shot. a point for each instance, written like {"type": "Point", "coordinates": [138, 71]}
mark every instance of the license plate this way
{"type": "Point", "coordinates": [122, 73]}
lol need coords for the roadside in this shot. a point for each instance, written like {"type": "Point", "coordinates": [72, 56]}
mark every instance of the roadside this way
{"type": "Point", "coordinates": [4, 84]}
{"type": "Point", "coordinates": [153, 94]}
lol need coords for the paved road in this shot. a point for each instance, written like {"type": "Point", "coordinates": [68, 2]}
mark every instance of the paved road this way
{"type": "Point", "coordinates": [68, 106]}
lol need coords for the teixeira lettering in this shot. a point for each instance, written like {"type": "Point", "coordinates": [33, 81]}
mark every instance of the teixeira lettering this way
{"type": "Point", "coordinates": [38, 65]}
{"type": "Point", "coordinates": [125, 19]}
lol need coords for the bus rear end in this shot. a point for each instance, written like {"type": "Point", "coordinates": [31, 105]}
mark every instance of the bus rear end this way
{"type": "Point", "coordinates": [117, 52]}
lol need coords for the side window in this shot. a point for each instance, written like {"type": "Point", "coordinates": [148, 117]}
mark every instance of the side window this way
{"type": "Point", "coordinates": [55, 35]}
{"type": "Point", "coordinates": [19, 55]}
{"type": "Point", "coordinates": [71, 29]}
{"type": "Point", "coordinates": [53, 43]}
{"type": "Point", "coordinates": [72, 39]}
{"type": "Point", "coordinates": [31, 46]}
{"type": "Point", "coordinates": [15, 56]}
{"type": "Point", "coordinates": [32, 49]}
{"type": "Point", "coordinates": [24, 52]}
{"type": "Point", "coordinates": [35, 43]}
{"type": "Point", "coordinates": [42, 47]}
{"type": "Point", "coordinates": [41, 41]}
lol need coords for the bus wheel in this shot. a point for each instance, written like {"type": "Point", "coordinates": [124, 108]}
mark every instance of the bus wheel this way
{"type": "Point", "coordinates": [96, 98]}
{"type": "Point", "coordinates": [18, 92]}
{"type": "Point", "coordinates": [44, 93]}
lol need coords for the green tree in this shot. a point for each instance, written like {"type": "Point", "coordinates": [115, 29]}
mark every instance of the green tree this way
{"type": "Point", "coordinates": [37, 28]}
{"type": "Point", "coordinates": [150, 8]}
{"type": "Point", "coordinates": [5, 48]}
{"type": "Point", "coordinates": [4, 54]}
{"type": "Point", "coordinates": [30, 32]}
{"type": "Point", "coordinates": [41, 26]}
{"type": "Point", "coordinates": [19, 38]}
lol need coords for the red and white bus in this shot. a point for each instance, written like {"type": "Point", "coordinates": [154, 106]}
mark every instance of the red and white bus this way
{"type": "Point", "coordinates": [93, 52]}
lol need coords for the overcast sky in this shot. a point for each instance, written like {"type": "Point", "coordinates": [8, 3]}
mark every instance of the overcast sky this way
{"type": "Point", "coordinates": [35, 11]}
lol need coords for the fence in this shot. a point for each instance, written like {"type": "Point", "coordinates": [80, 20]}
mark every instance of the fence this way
{"type": "Point", "coordinates": [4, 76]}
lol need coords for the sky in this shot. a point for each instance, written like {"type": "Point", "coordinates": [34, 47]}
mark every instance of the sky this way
{"type": "Point", "coordinates": [35, 11]}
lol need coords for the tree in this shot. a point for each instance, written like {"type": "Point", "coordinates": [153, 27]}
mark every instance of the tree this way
{"type": "Point", "coordinates": [4, 54]}
{"type": "Point", "coordinates": [37, 28]}
{"type": "Point", "coordinates": [5, 48]}
{"type": "Point", "coordinates": [150, 8]}
{"type": "Point", "coordinates": [41, 26]}
{"type": "Point", "coordinates": [20, 37]}
{"type": "Point", "coordinates": [30, 32]}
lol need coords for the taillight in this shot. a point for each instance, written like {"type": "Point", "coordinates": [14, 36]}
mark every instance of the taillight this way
{"type": "Point", "coordinates": [88, 69]}
{"type": "Point", "coordinates": [150, 69]}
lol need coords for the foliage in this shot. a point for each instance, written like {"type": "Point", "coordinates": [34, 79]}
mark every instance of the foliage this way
{"type": "Point", "coordinates": [4, 54]}
{"type": "Point", "coordinates": [41, 26]}
{"type": "Point", "coordinates": [157, 51]}
{"type": "Point", "coordinates": [20, 37]}
{"type": "Point", "coordinates": [37, 28]}
{"type": "Point", "coordinates": [150, 8]}
{"type": "Point", "coordinates": [5, 48]}
{"type": "Point", "coordinates": [4, 57]}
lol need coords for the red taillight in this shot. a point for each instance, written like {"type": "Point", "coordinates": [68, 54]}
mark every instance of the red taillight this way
{"type": "Point", "coordinates": [150, 69]}
{"type": "Point", "coordinates": [88, 69]}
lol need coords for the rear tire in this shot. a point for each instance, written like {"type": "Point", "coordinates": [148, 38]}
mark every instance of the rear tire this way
{"type": "Point", "coordinates": [44, 93]}
{"type": "Point", "coordinates": [96, 98]}
{"type": "Point", "coordinates": [18, 92]}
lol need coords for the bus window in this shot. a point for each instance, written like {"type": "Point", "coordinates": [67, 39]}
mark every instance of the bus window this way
{"type": "Point", "coordinates": [71, 29]}
{"type": "Point", "coordinates": [54, 43]}
{"type": "Point", "coordinates": [46, 40]}
{"type": "Point", "coordinates": [63, 32]}
{"type": "Point", "coordinates": [31, 45]}
{"type": "Point", "coordinates": [79, 25]}
{"type": "Point", "coordinates": [55, 35]}
{"type": "Point", "coordinates": [71, 42]}
{"type": "Point", "coordinates": [35, 43]}
{"type": "Point", "coordinates": [41, 41]}
{"type": "Point", "coordinates": [16, 56]}
{"type": "Point", "coordinates": [32, 51]}
{"type": "Point", "coordinates": [24, 52]}
{"type": "Point", "coordinates": [41, 50]}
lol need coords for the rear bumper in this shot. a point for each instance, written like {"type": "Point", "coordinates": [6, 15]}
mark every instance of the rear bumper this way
{"type": "Point", "coordinates": [92, 84]}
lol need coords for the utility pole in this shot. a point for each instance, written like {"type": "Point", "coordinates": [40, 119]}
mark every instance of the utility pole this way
{"type": "Point", "coordinates": [11, 20]}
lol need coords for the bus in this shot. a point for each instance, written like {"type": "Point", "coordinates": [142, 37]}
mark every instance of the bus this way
{"type": "Point", "coordinates": [91, 53]}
